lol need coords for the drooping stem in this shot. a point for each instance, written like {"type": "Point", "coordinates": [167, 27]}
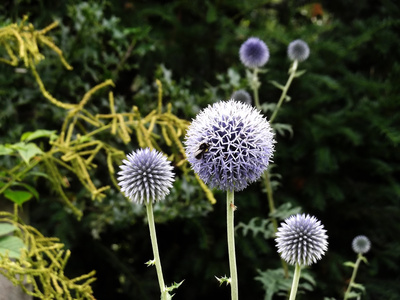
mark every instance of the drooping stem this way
{"type": "Point", "coordinates": [154, 244]}
{"type": "Point", "coordinates": [353, 276]}
{"type": "Point", "coordinates": [230, 209]}
{"type": "Point", "coordinates": [295, 283]}
{"type": "Point", "coordinates": [285, 89]}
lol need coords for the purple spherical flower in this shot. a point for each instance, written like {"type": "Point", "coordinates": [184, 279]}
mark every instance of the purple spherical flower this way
{"type": "Point", "coordinates": [301, 239]}
{"type": "Point", "coordinates": [229, 145]}
{"type": "Point", "coordinates": [298, 50]}
{"type": "Point", "coordinates": [254, 53]}
{"type": "Point", "coordinates": [146, 176]}
{"type": "Point", "coordinates": [361, 244]}
{"type": "Point", "coordinates": [242, 96]}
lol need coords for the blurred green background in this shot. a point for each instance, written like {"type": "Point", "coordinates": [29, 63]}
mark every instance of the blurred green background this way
{"type": "Point", "coordinates": [342, 163]}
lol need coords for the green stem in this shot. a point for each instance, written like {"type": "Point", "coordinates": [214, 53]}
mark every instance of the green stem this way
{"type": "Point", "coordinates": [272, 211]}
{"type": "Point", "coordinates": [255, 84]}
{"type": "Point", "coordinates": [230, 208]}
{"type": "Point", "coordinates": [292, 72]}
{"type": "Point", "coordinates": [295, 283]}
{"type": "Point", "coordinates": [353, 276]}
{"type": "Point", "coordinates": [153, 237]}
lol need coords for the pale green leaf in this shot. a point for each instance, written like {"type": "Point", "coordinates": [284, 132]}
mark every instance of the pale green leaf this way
{"type": "Point", "coordinates": [11, 245]}
{"type": "Point", "coordinates": [5, 150]}
{"type": "Point", "coordinates": [27, 151]}
{"type": "Point", "coordinates": [31, 135]}
{"type": "Point", "coordinates": [276, 84]}
{"type": "Point", "coordinates": [6, 228]}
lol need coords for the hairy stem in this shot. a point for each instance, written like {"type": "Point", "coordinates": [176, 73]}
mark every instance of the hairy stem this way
{"type": "Point", "coordinates": [230, 209]}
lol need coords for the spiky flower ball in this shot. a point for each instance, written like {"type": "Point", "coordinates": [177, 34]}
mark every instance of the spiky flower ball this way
{"type": "Point", "coordinates": [298, 50]}
{"type": "Point", "coordinates": [301, 239]}
{"type": "Point", "coordinates": [254, 53]}
{"type": "Point", "coordinates": [361, 244]}
{"type": "Point", "coordinates": [242, 96]}
{"type": "Point", "coordinates": [146, 176]}
{"type": "Point", "coordinates": [229, 145]}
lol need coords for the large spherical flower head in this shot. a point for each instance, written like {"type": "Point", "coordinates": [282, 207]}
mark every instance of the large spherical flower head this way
{"type": "Point", "coordinates": [301, 239]}
{"type": "Point", "coordinates": [146, 176]}
{"type": "Point", "coordinates": [229, 145]}
{"type": "Point", "coordinates": [298, 50]}
{"type": "Point", "coordinates": [361, 244]}
{"type": "Point", "coordinates": [254, 53]}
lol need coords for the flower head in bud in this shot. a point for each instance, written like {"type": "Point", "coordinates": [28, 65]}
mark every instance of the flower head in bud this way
{"type": "Point", "coordinates": [254, 53]}
{"type": "Point", "coordinates": [301, 239]}
{"type": "Point", "coordinates": [146, 176]}
{"type": "Point", "coordinates": [298, 50]}
{"type": "Point", "coordinates": [242, 96]}
{"type": "Point", "coordinates": [361, 244]}
{"type": "Point", "coordinates": [229, 145]}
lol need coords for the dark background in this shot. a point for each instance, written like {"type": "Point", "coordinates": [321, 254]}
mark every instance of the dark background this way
{"type": "Point", "coordinates": [342, 163]}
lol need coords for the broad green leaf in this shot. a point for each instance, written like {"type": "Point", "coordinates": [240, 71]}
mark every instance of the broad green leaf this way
{"type": "Point", "coordinates": [18, 197]}
{"type": "Point", "coordinates": [31, 135]}
{"type": "Point", "coordinates": [11, 245]}
{"type": "Point", "coordinates": [5, 150]}
{"type": "Point", "coordinates": [31, 189]}
{"type": "Point", "coordinates": [6, 228]}
{"type": "Point", "coordinates": [27, 151]}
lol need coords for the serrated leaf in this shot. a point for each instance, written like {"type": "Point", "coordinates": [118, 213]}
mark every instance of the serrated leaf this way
{"type": "Point", "coordinates": [31, 135]}
{"type": "Point", "coordinates": [18, 197]}
{"type": "Point", "coordinates": [27, 151]}
{"type": "Point", "coordinates": [6, 228]}
{"type": "Point", "coordinates": [11, 245]}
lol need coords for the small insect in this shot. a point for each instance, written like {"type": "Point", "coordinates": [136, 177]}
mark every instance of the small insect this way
{"type": "Point", "coordinates": [203, 148]}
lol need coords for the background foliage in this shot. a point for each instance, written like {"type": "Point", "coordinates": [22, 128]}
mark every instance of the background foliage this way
{"type": "Point", "coordinates": [342, 163]}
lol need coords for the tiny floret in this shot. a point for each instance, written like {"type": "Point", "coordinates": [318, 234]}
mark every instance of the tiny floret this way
{"type": "Point", "coordinates": [298, 50]}
{"type": "Point", "coordinates": [301, 239]}
{"type": "Point", "coordinates": [254, 53]}
{"type": "Point", "coordinates": [242, 96]}
{"type": "Point", "coordinates": [146, 176]}
{"type": "Point", "coordinates": [229, 145]}
{"type": "Point", "coordinates": [361, 244]}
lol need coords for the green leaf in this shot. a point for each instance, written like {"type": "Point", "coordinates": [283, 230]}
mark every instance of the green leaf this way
{"type": "Point", "coordinates": [299, 73]}
{"type": "Point", "coordinates": [31, 189]}
{"type": "Point", "coordinates": [6, 228]}
{"type": "Point", "coordinates": [27, 151]}
{"type": "Point", "coordinates": [11, 245]}
{"type": "Point", "coordinates": [18, 197]}
{"type": "Point", "coordinates": [31, 135]}
{"type": "Point", "coordinates": [278, 85]}
{"type": "Point", "coordinates": [349, 264]}
{"type": "Point", "coordinates": [5, 150]}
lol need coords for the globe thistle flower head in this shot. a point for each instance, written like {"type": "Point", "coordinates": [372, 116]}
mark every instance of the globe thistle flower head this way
{"type": "Point", "coordinates": [146, 176]}
{"type": "Point", "coordinates": [229, 145]}
{"type": "Point", "coordinates": [254, 53]}
{"type": "Point", "coordinates": [301, 239]}
{"type": "Point", "coordinates": [361, 244]}
{"type": "Point", "coordinates": [242, 96]}
{"type": "Point", "coordinates": [298, 50]}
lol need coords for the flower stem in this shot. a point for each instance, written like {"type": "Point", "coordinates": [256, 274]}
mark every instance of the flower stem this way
{"type": "Point", "coordinates": [153, 237]}
{"type": "Point", "coordinates": [255, 84]}
{"type": "Point", "coordinates": [353, 276]}
{"type": "Point", "coordinates": [230, 208]}
{"type": "Point", "coordinates": [295, 283]}
{"type": "Point", "coordinates": [292, 72]}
